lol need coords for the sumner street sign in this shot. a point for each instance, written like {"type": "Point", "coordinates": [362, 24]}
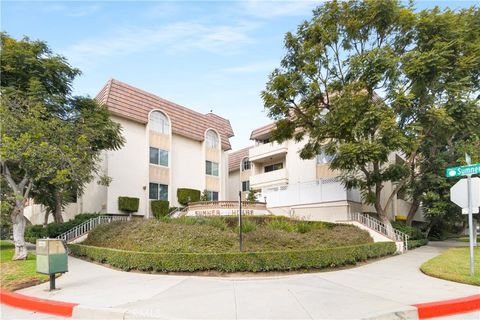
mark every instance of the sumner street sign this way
{"type": "Point", "coordinates": [462, 171]}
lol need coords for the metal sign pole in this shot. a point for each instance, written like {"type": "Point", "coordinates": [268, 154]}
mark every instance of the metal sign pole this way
{"type": "Point", "coordinates": [470, 221]}
{"type": "Point", "coordinates": [240, 220]}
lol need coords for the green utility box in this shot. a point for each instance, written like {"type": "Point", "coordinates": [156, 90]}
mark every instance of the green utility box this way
{"type": "Point", "coordinates": [51, 256]}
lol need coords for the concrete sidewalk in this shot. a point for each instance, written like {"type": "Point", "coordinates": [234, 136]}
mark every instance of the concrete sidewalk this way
{"type": "Point", "coordinates": [385, 286]}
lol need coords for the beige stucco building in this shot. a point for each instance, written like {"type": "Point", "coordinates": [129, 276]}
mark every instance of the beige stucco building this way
{"type": "Point", "coordinates": [296, 187]}
{"type": "Point", "coordinates": [167, 147]}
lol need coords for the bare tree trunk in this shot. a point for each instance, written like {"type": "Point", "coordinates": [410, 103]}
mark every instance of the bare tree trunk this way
{"type": "Point", "coordinates": [57, 215]}
{"type": "Point", "coordinates": [45, 219]}
{"type": "Point", "coordinates": [19, 222]}
{"type": "Point", "coordinates": [21, 191]}
{"type": "Point", "coordinates": [412, 211]}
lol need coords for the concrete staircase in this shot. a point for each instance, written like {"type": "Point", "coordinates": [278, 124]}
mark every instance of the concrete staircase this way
{"type": "Point", "coordinates": [378, 230]}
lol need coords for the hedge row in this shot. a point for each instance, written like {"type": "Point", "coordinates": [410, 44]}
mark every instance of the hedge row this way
{"type": "Point", "coordinates": [231, 262]}
{"type": "Point", "coordinates": [412, 244]}
{"type": "Point", "coordinates": [128, 204]}
{"type": "Point", "coordinates": [186, 195]}
{"type": "Point", "coordinates": [160, 208]}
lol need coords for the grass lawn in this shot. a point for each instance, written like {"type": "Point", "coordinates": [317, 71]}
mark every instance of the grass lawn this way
{"type": "Point", "coordinates": [454, 265]}
{"type": "Point", "coordinates": [467, 239]}
{"type": "Point", "coordinates": [220, 235]}
{"type": "Point", "coordinates": [17, 274]}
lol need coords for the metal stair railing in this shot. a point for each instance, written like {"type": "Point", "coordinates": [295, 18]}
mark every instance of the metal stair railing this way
{"type": "Point", "coordinates": [179, 212]}
{"type": "Point", "coordinates": [88, 225]}
{"type": "Point", "coordinates": [380, 227]}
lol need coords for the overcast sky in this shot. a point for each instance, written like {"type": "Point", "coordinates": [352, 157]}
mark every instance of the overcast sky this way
{"type": "Point", "coordinates": [214, 55]}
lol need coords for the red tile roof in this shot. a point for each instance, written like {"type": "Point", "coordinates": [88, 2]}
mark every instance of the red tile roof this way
{"type": "Point", "coordinates": [135, 104]}
{"type": "Point", "coordinates": [262, 131]}
{"type": "Point", "coordinates": [236, 157]}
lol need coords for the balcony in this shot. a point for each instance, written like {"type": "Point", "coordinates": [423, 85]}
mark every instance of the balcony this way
{"type": "Point", "coordinates": [269, 178]}
{"type": "Point", "coordinates": [324, 190]}
{"type": "Point", "coordinates": [268, 150]}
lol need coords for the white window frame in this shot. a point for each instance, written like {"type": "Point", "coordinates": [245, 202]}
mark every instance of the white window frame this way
{"type": "Point", "coordinates": [158, 191]}
{"type": "Point", "coordinates": [245, 161]}
{"type": "Point", "coordinates": [158, 122]}
{"type": "Point", "coordinates": [211, 139]}
{"type": "Point", "coordinates": [159, 157]}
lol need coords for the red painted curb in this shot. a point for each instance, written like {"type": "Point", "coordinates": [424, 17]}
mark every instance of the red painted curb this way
{"type": "Point", "coordinates": [448, 307]}
{"type": "Point", "coordinates": [21, 301]}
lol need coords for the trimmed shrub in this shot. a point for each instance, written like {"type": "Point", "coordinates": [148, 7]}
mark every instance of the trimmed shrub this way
{"type": "Point", "coordinates": [185, 195]}
{"type": "Point", "coordinates": [160, 208]}
{"type": "Point", "coordinates": [412, 232]}
{"type": "Point", "coordinates": [247, 226]}
{"type": "Point", "coordinates": [128, 204]}
{"type": "Point", "coordinates": [281, 224]}
{"type": "Point", "coordinates": [412, 244]}
{"type": "Point", "coordinates": [233, 262]}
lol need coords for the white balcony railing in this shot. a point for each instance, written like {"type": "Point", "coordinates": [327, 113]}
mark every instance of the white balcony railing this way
{"type": "Point", "coordinates": [324, 190]}
{"type": "Point", "coordinates": [268, 178]}
{"type": "Point", "coordinates": [267, 150]}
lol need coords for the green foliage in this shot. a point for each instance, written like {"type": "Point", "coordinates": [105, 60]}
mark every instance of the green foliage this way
{"type": "Point", "coordinates": [412, 244]}
{"type": "Point", "coordinates": [281, 225]}
{"type": "Point", "coordinates": [427, 65]}
{"type": "Point", "coordinates": [128, 204]}
{"type": "Point", "coordinates": [220, 234]}
{"type": "Point", "coordinates": [412, 232]}
{"type": "Point", "coordinates": [185, 195]}
{"type": "Point", "coordinates": [204, 196]}
{"type": "Point", "coordinates": [248, 225]}
{"type": "Point", "coordinates": [232, 262]}
{"type": "Point", "coordinates": [251, 197]}
{"type": "Point", "coordinates": [51, 140]}
{"type": "Point", "coordinates": [53, 230]}
{"type": "Point", "coordinates": [160, 208]}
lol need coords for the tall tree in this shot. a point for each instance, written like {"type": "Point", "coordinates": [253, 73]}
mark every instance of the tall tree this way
{"type": "Point", "coordinates": [436, 99]}
{"type": "Point", "coordinates": [425, 66]}
{"type": "Point", "coordinates": [324, 91]}
{"type": "Point", "coordinates": [50, 141]}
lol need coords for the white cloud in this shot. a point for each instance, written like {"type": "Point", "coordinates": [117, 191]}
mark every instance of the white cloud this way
{"type": "Point", "coordinates": [173, 38]}
{"type": "Point", "coordinates": [271, 9]}
{"type": "Point", "coordinates": [265, 66]}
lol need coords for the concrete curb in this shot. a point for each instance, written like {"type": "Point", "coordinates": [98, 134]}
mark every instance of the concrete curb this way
{"type": "Point", "coordinates": [67, 309]}
{"type": "Point", "coordinates": [448, 307]}
{"type": "Point", "coordinates": [21, 301]}
{"type": "Point", "coordinates": [408, 312]}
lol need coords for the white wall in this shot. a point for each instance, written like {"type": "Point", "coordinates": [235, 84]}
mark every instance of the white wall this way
{"type": "Point", "coordinates": [35, 213]}
{"type": "Point", "coordinates": [299, 170]}
{"type": "Point", "coordinates": [233, 185]}
{"type": "Point", "coordinates": [94, 198]}
{"type": "Point", "coordinates": [188, 166]}
{"type": "Point", "coordinates": [129, 167]}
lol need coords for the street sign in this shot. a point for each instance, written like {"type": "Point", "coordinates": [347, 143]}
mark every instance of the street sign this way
{"type": "Point", "coordinates": [459, 194]}
{"type": "Point", "coordinates": [462, 171]}
{"type": "Point", "coordinates": [466, 194]}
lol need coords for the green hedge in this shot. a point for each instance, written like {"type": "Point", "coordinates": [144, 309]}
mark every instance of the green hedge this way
{"type": "Point", "coordinates": [231, 262]}
{"type": "Point", "coordinates": [185, 195]}
{"type": "Point", "coordinates": [412, 244]}
{"type": "Point", "coordinates": [53, 230]}
{"type": "Point", "coordinates": [160, 208]}
{"type": "Point", "coordinates": [128, 204]}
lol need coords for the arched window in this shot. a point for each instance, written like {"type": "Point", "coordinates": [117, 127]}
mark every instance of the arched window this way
{"type": "Point", "coordinates": [159, 122]}
{"type": "Point", "coordinates": [211, 139]}
{"type": "Point", "coordinates": [245, 164]}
